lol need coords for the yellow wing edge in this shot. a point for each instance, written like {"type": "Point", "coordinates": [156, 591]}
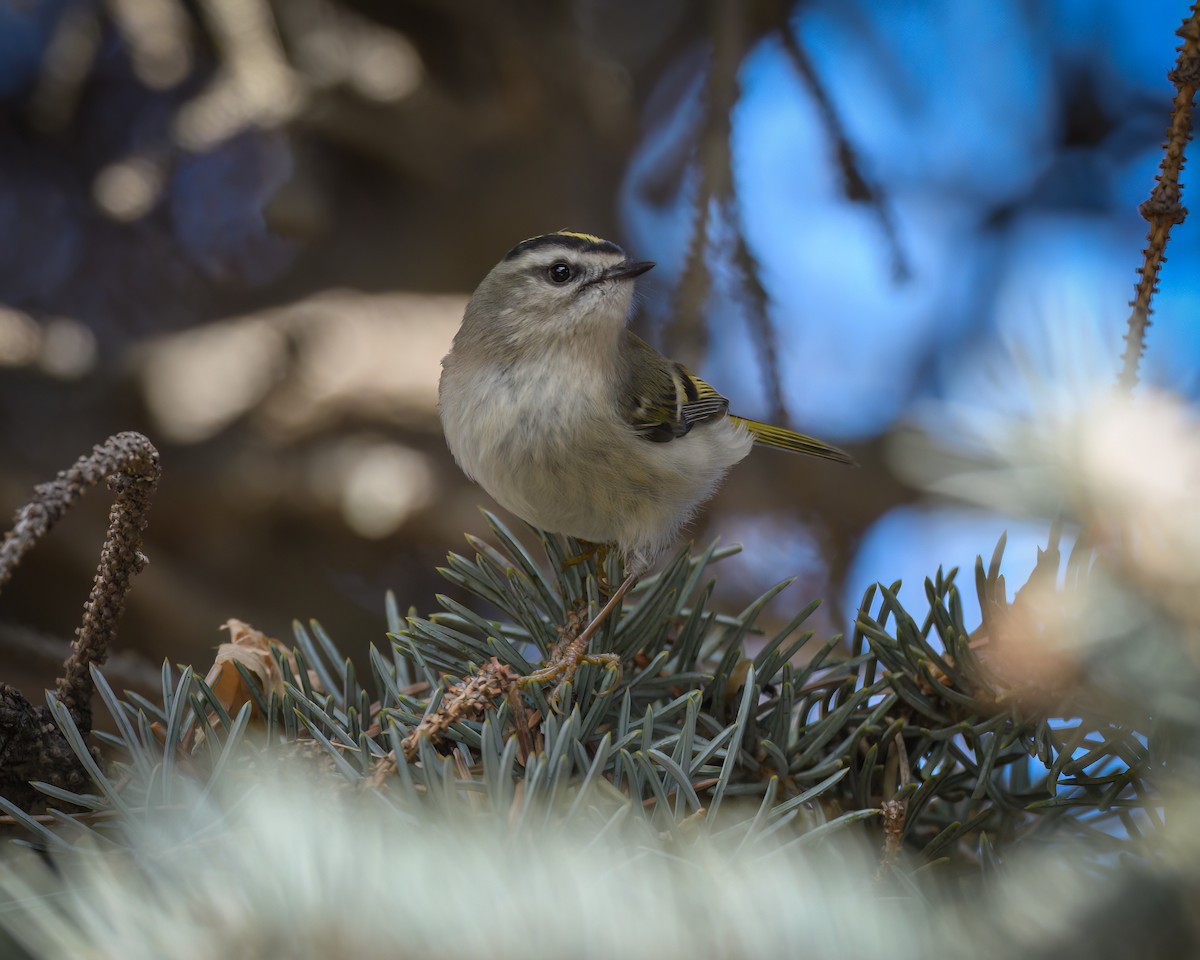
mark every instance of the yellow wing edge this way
{"type": "Point", "coordinates": [781, 439]}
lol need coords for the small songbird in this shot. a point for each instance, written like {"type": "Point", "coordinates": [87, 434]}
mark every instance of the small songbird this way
{"type": "Point", "coordinates": [573, 423]}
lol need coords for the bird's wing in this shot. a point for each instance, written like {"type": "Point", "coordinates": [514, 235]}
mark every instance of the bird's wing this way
{"type": "Point", "coordinates": [663, 400]}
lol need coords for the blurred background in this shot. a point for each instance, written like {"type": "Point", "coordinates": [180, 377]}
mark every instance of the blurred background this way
{"type": "Point", "coordinates": [248, 229]}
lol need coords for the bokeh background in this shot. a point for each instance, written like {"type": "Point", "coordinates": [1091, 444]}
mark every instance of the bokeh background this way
{"type": "Point", "coordinates": [248, 229]}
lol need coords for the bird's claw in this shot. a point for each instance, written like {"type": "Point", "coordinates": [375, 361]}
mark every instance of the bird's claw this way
{"type": "Point", "coordinates": [571, 651]}
{"type": "Point", "coordinates": [598, 551]}
{"type": "Point", "coordinates": [566, 666]}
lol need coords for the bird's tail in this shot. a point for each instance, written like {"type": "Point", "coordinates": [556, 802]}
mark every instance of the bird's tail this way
{"type": "Point", "coordinates": [781, 439]}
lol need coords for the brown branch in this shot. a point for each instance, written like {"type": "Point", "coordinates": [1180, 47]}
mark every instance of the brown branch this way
{"type": "Point", "coordinates": [685, 328]}
{"type": "Point", "coordinates": [1164, 208]}
{"type": "Point", "coordinates": [684, 331]}
{"type": "Point", "coordinates": [895, 812]}
{"type": "Point", "coordinates": [855, 185]}
{"type": "Point", "coordinates": [466, 700]}
{"type": "Point", "coordinates": [130, 464]}
{"type": "Point", "coordinates": [760, 321]}
{"type": "Point", "coordinates": [731, 37]}
{"type": "Point", "coordinates": [469, 699]}
{"type": "Point", "coordinates": [31, 745]}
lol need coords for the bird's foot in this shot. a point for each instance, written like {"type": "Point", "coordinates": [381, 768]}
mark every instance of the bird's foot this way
{"type": "Point", "coordinates": [600, 552]}
{"type": "Point", "coordinates": [568, 656]}
{"type": "Point", "coordinates": [591, 549]}
{"type": "Point", "coordinates": [607, 587]}
{"type": "Point", "coordinates": [564, 668]}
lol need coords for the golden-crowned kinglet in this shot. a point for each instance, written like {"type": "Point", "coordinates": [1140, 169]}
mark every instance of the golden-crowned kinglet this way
{"type": "Point", "coordinates": [573, 423]}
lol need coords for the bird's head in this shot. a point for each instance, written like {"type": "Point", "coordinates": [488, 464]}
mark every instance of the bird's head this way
{"type": "Point", "coordinates": [557, 288]}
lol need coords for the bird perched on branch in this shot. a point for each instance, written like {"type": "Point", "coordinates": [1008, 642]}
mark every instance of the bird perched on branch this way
{"type": "Point", "coordinates": [576, 425]}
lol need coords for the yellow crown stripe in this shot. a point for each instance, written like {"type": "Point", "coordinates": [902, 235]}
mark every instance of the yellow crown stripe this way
{"type": "Point", "coordinates": [566, 238]}
{"type": "Point", "coordinates": [589, 237]}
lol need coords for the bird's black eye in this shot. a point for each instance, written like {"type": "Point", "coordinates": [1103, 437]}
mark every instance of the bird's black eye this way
{"type": "Point", "coordinates": [561, 272]}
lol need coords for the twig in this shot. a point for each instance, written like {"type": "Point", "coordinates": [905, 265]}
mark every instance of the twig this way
{"type": "Point", "coordinates": [466, 700]}
{"type": "Point", "coordinates": [760, 320]}
{"type": "Point", "coordinates": [895, 812]}
{"type": "Point", "coordinates": [1164, 208]}
{"type": "Point", "coordinates": [717, 189]}
{"type": "Point", "coordinates": [31, 745]}
{"type": "Point", "coordinates": [686, 328]}
{"type": "Point", "coordinates": [856, 186]}
{"type": "Point", "coordinates": [130, 464]}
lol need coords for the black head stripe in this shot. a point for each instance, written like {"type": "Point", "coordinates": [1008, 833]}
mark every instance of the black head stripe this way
{"type": "Point", "coordinates": [566, 241]}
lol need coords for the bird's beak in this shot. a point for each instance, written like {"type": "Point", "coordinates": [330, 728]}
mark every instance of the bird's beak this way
{"type": "Point", "coordinates": [627, 270]}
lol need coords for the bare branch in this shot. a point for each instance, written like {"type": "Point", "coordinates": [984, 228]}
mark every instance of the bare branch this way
{"type": "Point", "coordinates": [1164, 209]}
{"type": "Point", "coordinates": [130, 464]}
{"type": "Point", "coordinates": [855, 185]}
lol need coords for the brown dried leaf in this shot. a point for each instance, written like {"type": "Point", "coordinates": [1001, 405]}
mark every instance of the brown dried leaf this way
{"type": "Point", "coordinates": [255, 651]}
{"type": "Point", "coordinates": [252, 649]}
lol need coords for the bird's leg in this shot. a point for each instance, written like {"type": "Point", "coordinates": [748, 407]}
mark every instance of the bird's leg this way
{"type": "Point", "coordinates": [575, 653]}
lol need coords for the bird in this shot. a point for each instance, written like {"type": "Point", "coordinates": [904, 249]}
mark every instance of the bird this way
{"type": "Point", "coordinates": [576, 425]}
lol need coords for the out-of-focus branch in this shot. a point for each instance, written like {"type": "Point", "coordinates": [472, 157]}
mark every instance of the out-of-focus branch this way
{"type": "Point", "coordinates": [130, 464]}
{"type": "Point", "coordinates": [717, 192]}
{"type": "Point", "coordinates": [760, 321]}
{"type": "Point", "coordinates": [857, 187]}
{"type": "Point", "coordinates": [31, 744]}
{"type": "Point", "coordinates": [686, 328]}
{"type": "Point", "coordinates": [1164, 208]}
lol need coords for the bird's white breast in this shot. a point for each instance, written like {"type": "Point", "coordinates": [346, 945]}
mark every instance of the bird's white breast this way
{"type": "Point", "coordinates": [546, 441]}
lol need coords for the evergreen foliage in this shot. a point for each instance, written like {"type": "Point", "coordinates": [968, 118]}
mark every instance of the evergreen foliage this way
{"type": "Point", "coordinates": [906, 722]}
